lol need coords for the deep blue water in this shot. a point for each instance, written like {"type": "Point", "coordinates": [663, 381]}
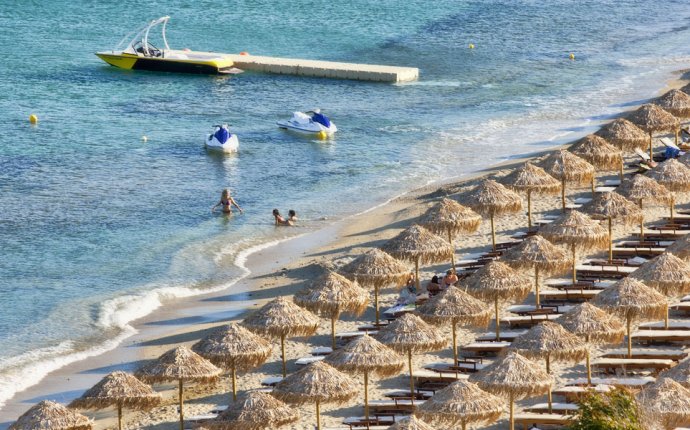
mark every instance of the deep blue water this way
{"type": "Point", "coordinates": [97, 225]}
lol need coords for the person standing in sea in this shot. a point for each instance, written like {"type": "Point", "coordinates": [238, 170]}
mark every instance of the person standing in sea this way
{"type": "Point", "coordinates": [226, 201]}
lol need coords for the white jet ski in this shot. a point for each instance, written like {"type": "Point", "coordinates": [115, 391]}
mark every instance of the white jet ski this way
{"type": "Point", "coordinates": [311, 122]}
{"type": "Point", "coordinates": [222, 140]}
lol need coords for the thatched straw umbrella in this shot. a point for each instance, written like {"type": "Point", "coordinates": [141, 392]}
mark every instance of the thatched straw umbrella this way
{"type": "Point", "coordinates": [455, 306]}
{"type": "Point", "coordinates": [410, 334]}
{"type": "Point", "coordinates": [234, 348]}
{"type": "Point", "coordinates": [318, 383]}
{"type": "Point", "coordinates": [568, 168]}
{"type": "Point", "coordinates": [539, 254]}
{"type": "Point", "coordinates": [376, 269]}
{"type": "Point", "coordinates": [47, 415]}
{"type": "Point", "coordinates": [625, 135]}
{"type": "Point", "coordinates": [332, 294]}
{"type": "Point", "coordinates": [595, 325]}
{"type": "Point", "coordinates": [599, 153]}
{"type": "Point", "coordinates": [675, 102]}
{"type": "Point", "coordinates": [118, 389]}
{"type": "Point", "coordinates": [642, 189]}
{"type": "Point", "coordinates": [462, 403]}
{"type": "Point", "coordinates": [451, 218]}
{"type": "Point", "coordinates": [282, 318]}
{"type": "Point", "coordinates": [665, 401]}
{"type": "Point", "coordinates": [673, 175]}
{"type": "Point", "coordinates": [653, 119]}
{"type": "Point", "coordinates": [550, 341]}
{"type": "Point", "coordinates": [179, 364]}
{"type": "Point", "coordinates": [411, 423]}
{"type": "Point", "coordinates": [515, 377]}
{"type": "Point", "coordinates": [366, 355]}
{"type": "Point", "coordinates": [493, 199]}
{"type": "Point", "coordinates": [531, 179]}
{"type": "Point", "coordinates": [578, 231]}
{"type": "Point", "coordinates": [681, 248]}
{"type": "Point", "coordinates": [679, 373]}
{"type": "Point", "coordinates": [420, 246]}
{"type": "Point", "coordinates": [610, 206]}
{"type": "Point", "coordinates": [497, 281]}
{"type": "Point", "coordinates": [632, 300]}
{"type": "Point", "coordinates": [256, 411]}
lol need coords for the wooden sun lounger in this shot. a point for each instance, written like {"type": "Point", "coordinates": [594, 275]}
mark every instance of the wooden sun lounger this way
{"type": "Point", "coordinates": [423, 375]}
{"type": "Point", "coordinates": [683, 306]}
{"type": "Point", "coordinates": [271, 381]}
{"type": "Point", "coordinates": [612, 365]}
{"type": "Point", "coordinates": [627, 382]}
{"type": "Point", "coordinates": [486, 348]}
{"type": "Point", "coordinates": [568, 295]}
{"type": "Point", "coordinates": [668, 354]}
{"type": "Point", "coordinates": [461, 367]}
{"type": "Point", "coordinates": [567, 284]}
{"type": "Point", "coordinates": [556, 407]}
{"type": "Point", "coordinates": [507, 336]}
{"type": "Point", "coordinates": [604, 189]}
{"type": "Point", "coordinates": [393, 406]}
{"type": "Point", "coordinates": [527, 320]}
{"type": "Point", "coordinates": [529, 309]}
{"type": "Point", "coordinates": [660, 336]}
{"type": "Point", "coordinates": [575, 393]}
{"type": "Point", "coordinates": [660, 325]}
{"type": "Point", "coordinates": [527, 419]}
{"type": "Point", "coordinates": [405, 394]}
{"type": "Point", "coordinates": [309, 360]}
{"type": "Point", "coordinates": [637, 251]}
{"type": "Point", "coordinates": [382, 422]}
{"type": "Point", "coordinates": [321, 350]}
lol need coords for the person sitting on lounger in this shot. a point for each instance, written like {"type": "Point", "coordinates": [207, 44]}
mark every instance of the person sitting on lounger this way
{"type": "Point", "coordinates": [434, 286]}
{"type": "Point", "coordinates": [450, 279]}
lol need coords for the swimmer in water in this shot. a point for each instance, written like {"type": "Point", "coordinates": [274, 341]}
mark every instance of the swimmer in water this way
{"type": "Point", "coordinates": [226, 201]}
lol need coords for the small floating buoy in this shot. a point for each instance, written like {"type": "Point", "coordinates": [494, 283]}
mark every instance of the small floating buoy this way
{"type": "Point", "coordinates": [144, 139]}
{"type": "Point", "coordinates": [244, 53]}
{"type": "Point", "coordinates": [323, 135]}
{"type": "Point", "coordinates": [471, 45]}
{"type": "Point", "coordinates": [572, 56]}
{"type": "Point", "coordinates": [33, 119]}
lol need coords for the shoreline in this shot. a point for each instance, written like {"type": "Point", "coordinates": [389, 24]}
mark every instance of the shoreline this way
{"type": "Point", "coordinates": [274, 270]}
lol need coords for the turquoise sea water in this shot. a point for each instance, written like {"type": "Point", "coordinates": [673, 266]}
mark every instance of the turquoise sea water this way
{"type": "Point", "coordinates": [97, 227]}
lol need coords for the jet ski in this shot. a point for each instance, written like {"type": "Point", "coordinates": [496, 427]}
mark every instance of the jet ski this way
{"type": "Point", "coordinates": [222, 139]}
{"type": "Point", "coordinates": [311, 122]}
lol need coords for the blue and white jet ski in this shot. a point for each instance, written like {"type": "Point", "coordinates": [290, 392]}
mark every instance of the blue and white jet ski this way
{"type": "Point", "coordinates": [311, 122]}
{"type": "Point", "coordinates": [222, 140]}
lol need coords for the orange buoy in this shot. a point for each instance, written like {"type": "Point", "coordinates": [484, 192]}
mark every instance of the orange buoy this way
{"type": "Point", "coordinates": [244, 53]}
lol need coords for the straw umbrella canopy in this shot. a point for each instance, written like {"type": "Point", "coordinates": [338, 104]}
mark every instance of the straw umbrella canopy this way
{"type": "Point", "coordinates": [256, 411]}
{"type": "Point", "coordinates": [599, 153]}
{"type": "Point", "coordinates": [624, 135]}
{"type": "Point", "coordinates": [282, 318]}
{"type": "Point", "coordinates": [493, 199]}
{"type": "Point", "coordinates": [578, 231]}
{"type": "Point", "coordinates": [515, 377]}
{"type": "Point", "coordinates": [667, 402]}
{"type": "Point", "coordinates": [317, 383]}
{"type": "Point", "coordinates": [675, 102]}
{"type": "Point", "coordinates": [455, 306]}
{"type": "Point", "coordinates": [568, 168]}
{"type": "Point", "coordinates": [681, 248]}
{"type": "Point", "coordinates": [653, 119]}
{"type": "Point", "coordinates": [419, 245]}
{"type": "Point", "coordinates": [47, 415]}
{"type": "Point", "coordinates": [539, 254]}
{"type": "Point", "coordinates": [179, 364]}
{"type": "Point", "coordinates": [632, 300]}
{"type": "Point", "coordinates": [642, 189]}
{"type": "Point", "coordinates": [330, 295]}
{"type": "Point", "coordinates": [376, 269]}
{"type": "Point", "coordinates": [679, 373]}
{"type": "Point", "coordinates": [366, 355]}
{"type": "Point", "coordinates": [411, 423]}
{"type": "Point", "coordinates": [451, 218]}
{"type": "Point", "coordinates": [118, 389]}
{"type": "Point", "coordinates": [550, 341]}
{"type": "Point", "coordinates": [595, 325]}
{"type": "Point", "coordinates": [410, 334]}
{"type": "Point", "coordinates": [531, 179]}
{"type": "Point", "coordinates": [673, 175]}
{"type": "Point", "coordinates": [234, 348]}
{"type": "Point", "coordinates": [461, 403]}
{"type": "Point", "coordinates": [610, 206]}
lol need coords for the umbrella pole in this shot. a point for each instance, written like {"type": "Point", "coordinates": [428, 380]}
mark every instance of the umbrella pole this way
{"type": "Point", "coordinates": [512, 411]}
{"type": "Point", "coordinates": [493, 233]}
{"type": "Point", "coordinates": [452, 256]}
{"type": "Point", "coordinates": [574, 264]}
{"type": "Point", "coordinates": [318, 416]}
{"type": "Point", "coordinates": [536, 285]}
{"type": "Point", "coordinates": [181, 405]}
{"type": "Point", "coordinates": [376, 303]}
{"type": "Point", "coordinates": [464, 425]}
{"type": "Point", "coordinates": [366, 397]}
{"type": "Point", "coordinates": [563, 192]}
{"type": "Point", "coordinates": [455, 344]}
{"type": "Point", "coordinates": [641, 223]}
{"type": "Point", "coordinates": [409, 365]}
{"type": "Point", "coordinates": [333, 318]}
{"type": "Point", "coordinates": [610, 241]}
{"type": "Point", "coordinates": [621, 171]}
{"type": "Point", "coordinates": [282, 354]}
{"type": "Point", "coordinates": [676, 133]}
{"type": "Point", "coordinates": [589, 370]}
{"type": "Point", "coordinates": [234, 383]}
{"type": "Point", "coordinates": [593, 179]}
{"type": "Point", "coordinates": [628, 323]}
{"type": "Point", "coordinates": [672, 204]}
{"type": "Point", "coordinates": [529, 210]}
{"type": "Point", "coordinates": [548, 370]}
{"type": "Point", "coordinates": [119, 416]}
{"type": "Point", "coordinates": [651, 154]}
{"type": "Point", "coordinates": [416, 275]}
{"type": "Point", "coordinates": [498, 327]}
{"type": "Point", "coordinates": [666, 318]}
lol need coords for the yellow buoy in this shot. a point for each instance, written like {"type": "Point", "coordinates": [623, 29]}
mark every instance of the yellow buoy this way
{"type": "Point", "coordinates": [471, 45]}
{"type": "Point", "coordinates": [144, 139]}
{"type": "Point", "coordinates": [323, 135]}
{"type": "Point", "coordinates": [33, 119]}
{"type": "Point", "coordinates": [572, 56]}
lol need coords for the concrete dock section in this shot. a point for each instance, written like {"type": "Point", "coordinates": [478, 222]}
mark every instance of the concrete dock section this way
{"type": "Point", "coordinates": [324, 69]}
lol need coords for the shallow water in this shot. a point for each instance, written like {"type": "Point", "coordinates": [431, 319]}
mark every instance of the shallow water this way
{"type": "Point", "coordinates": [97, 226]}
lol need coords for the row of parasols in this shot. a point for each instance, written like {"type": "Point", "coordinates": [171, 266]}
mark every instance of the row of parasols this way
{"type": "Point", "coordinates": [234, 348]}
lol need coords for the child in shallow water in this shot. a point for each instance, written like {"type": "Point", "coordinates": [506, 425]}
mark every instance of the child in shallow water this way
{"type": "Point", "coordinates": [279, 220]}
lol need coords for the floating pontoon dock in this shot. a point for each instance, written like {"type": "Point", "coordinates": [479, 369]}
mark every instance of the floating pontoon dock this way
{"type": "Point", "coordinates": [324, 69]}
